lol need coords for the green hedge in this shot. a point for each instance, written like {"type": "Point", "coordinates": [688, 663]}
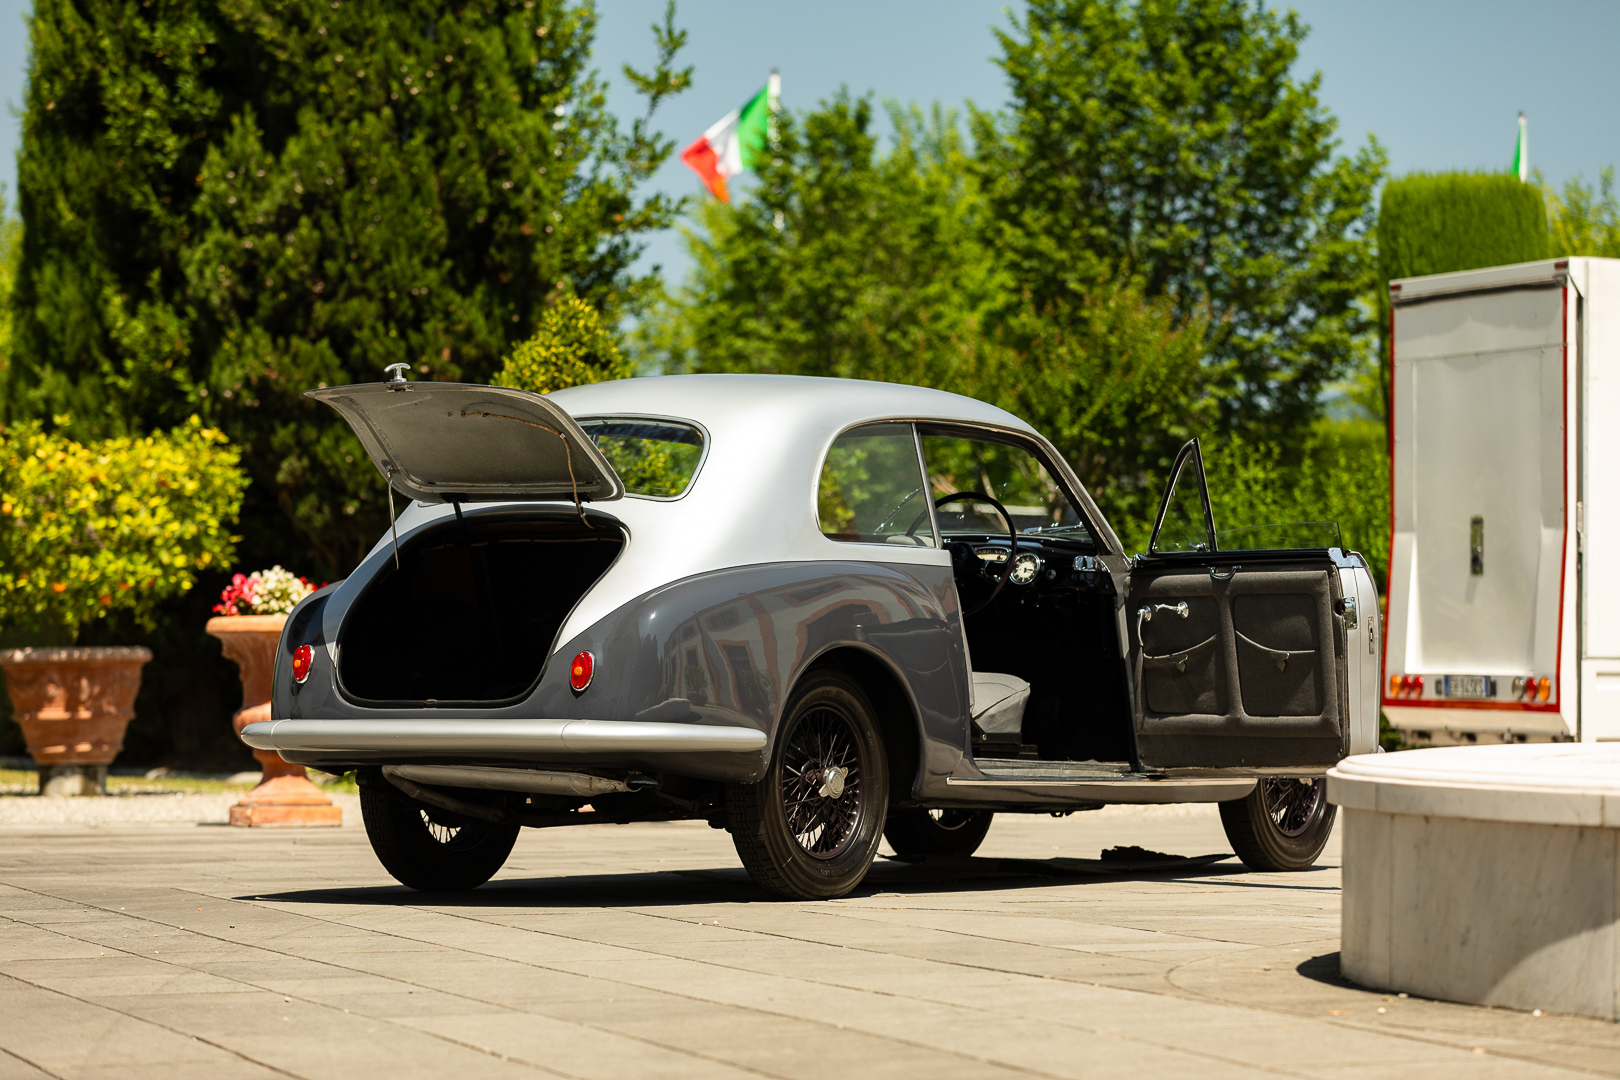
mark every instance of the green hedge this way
{"type": "Point", "coordinates": [1438, 223]}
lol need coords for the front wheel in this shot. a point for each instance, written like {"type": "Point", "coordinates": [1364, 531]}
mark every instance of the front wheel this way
{"type": "Point", "coordinates": [425, 847]}
{"type": "Point", "coordinates": [1283, 824]}
{"type": "Point", "coordinates": [810, 828]}
{"type": "Point", "coordinates": [917, 834]}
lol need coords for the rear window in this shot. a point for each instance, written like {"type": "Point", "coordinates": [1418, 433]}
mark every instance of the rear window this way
{"type": "Point", "coordinates": [656, 458]}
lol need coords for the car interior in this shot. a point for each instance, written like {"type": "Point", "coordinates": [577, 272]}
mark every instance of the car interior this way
{"type": "Point", "coordinates": [1048, 682]}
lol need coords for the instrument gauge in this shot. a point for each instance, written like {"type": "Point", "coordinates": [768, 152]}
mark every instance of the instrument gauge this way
{"type": "Point", "coordinates": [1026, 568]}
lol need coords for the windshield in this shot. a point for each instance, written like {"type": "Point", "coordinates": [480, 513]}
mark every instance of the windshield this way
{"type": "Point", "coordinates": [656, 458]}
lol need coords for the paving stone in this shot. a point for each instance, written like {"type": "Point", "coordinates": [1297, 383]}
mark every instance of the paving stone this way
{"type": "Point", "coordinates": [644, 952]}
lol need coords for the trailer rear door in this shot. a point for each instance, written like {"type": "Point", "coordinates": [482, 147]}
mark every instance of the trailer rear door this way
{"type": "Point", "coordinates": [1480, 405]}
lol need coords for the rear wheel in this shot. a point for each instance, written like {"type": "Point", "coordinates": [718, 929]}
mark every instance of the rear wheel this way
{"type": "Point", "coordinates": [425, 847]}
{"type": "Point", "coordinates": [1283, 824]}
{"type": "Point", "coordinates": [810, 828]}
{"type": "Point", "coordinates": [917, 834]}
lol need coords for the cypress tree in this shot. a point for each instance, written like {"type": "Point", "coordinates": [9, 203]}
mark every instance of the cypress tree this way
{"type": "Point", "coordinates": [232, 201]}
{"type": "Point", "coordinates": [1439, 223]}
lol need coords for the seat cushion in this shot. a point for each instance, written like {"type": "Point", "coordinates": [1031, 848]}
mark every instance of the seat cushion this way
{"type": "Point", "coordinates": [998, 703]}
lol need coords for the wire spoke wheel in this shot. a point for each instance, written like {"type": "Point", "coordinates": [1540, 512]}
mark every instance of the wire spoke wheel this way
{"type": "Point", "coordinates": [809, 828]}
{"type": "Point", "coordinates": [954, 820]}
{"type": "Point", "coordinates": [426, 848]}
{"type": "Point", "coordinates": [821, 782]}
{"type": "Point", "coordinates": [441, 833]}
{"type": "Point", "coordinates": [920, 834]}
{"type": "Point", "coordinates": [1295, 805]}
{"type": "Point", "coordinates": [1283, 824]}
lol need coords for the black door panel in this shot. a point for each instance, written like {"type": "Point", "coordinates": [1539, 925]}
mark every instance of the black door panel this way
{"type": "Point", "coordinates": [1252, 675]}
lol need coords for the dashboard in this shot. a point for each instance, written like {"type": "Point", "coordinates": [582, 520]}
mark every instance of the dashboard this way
{"type": "Point", "coordinates": [1040, 563]}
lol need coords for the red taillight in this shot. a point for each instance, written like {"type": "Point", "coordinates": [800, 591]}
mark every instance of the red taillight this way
{"type": "Point", "coordinates": [1406, 686]}
{"type": "Point", "coordinates": [303, 660]}
{"type": "Point", "coordinates": [581, 670]}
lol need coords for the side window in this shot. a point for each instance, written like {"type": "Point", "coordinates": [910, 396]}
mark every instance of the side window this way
{"type": "Point", "coordinates": [872, 490]}
{"type": "Point", "coordinates": [1007, 473]}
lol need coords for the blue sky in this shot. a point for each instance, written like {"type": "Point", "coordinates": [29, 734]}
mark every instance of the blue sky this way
{"type": "Point", "coordinates": [1440, 82]}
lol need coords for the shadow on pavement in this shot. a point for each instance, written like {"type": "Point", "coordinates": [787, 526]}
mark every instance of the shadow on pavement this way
{"type": "Point", "coordinates": [657, 888]}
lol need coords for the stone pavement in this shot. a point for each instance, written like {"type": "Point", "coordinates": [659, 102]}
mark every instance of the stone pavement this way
{"type": "Point", "coordinates": [642, 952]}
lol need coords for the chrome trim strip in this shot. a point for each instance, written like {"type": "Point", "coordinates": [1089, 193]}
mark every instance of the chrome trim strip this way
{"type": "Point", "coordinates": [499, 736]}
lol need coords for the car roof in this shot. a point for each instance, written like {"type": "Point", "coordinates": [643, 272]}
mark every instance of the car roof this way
{"type": "Point", "coordinates": [716, 401]}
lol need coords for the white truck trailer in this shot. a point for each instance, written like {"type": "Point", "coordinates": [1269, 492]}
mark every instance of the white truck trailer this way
{"type": "Point", "coordinates": [1504, 569]}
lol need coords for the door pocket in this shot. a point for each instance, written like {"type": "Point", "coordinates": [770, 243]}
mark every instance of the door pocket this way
{"type": "Point", "coordinates": [1182, 670]}
{"type": "Point", "coordinates": [1282, 656]}
{"type": "Point", "coordinates": [1178, 660]}
{"type": "Point", "coordinates": [1279, 661]}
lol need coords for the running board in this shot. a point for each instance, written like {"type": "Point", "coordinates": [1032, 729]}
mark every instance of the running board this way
{"type": "Point", "coordinates": [1125, 789]}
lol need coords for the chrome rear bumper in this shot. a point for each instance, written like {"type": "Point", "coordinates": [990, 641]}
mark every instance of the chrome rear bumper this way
{"type": "Point", "coordinates": [487, 737]}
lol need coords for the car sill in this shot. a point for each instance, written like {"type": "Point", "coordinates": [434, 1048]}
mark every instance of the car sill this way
{"type": "Point", "coordinates": [474, 737]}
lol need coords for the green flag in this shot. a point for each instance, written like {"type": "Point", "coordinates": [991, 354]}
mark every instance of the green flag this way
{"type": "Point", "coordinates": [1521, 152]}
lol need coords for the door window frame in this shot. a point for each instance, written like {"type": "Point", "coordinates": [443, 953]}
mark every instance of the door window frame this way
{"type": "Point", "coordinates": [1191, 449]}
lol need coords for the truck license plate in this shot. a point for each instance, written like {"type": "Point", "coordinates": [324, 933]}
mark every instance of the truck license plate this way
{"type": "Point", "coordinates": [1468, 686]}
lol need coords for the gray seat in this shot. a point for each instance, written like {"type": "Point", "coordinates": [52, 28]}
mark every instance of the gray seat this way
{"type": "Point", "coordinates": [998, 705]}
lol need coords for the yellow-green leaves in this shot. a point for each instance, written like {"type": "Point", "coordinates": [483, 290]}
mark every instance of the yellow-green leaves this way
{"type": "Point", "coordinates": [572, 347]}
{"type": "Point", "coordinates": [115, 525]}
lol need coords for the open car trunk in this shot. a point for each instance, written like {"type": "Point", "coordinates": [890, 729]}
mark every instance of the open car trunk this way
{"type": "Point", "coordinates": [470, 615]}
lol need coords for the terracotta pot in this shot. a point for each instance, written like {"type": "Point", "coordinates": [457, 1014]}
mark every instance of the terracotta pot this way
{"type": "Point", "coordinates": [73, 705]}
{"type": "Point", "coordinates": [284, 797]}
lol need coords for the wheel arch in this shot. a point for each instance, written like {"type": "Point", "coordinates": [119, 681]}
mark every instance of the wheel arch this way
{"type": "Point", "coordinates": [899, 721]}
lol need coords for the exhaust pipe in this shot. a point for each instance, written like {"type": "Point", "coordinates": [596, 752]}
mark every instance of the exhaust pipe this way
{"type": "Point", "coordinates": [529, 781]}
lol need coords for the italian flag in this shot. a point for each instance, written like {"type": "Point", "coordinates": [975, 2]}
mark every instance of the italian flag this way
{"type": "Point", "coordinates": [735, 141]}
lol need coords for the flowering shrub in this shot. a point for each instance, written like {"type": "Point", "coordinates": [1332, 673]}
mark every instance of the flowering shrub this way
{"type": "Point", "coordinates": [264, 592]}
{"type": "Point", "coordinates": [119, 524]}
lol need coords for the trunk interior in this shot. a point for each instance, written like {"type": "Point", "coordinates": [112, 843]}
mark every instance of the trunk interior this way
{"type": "Point", "coordinates": [470, 614]}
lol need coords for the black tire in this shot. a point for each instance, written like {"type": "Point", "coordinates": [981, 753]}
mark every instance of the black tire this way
{"type": "Point", "coordinates": [797, 839]}
{"type": "Point", "coordinates": [1281, 825]}
{"type": "Point", "coordinates": [425, 847]}
{"type": "Point", "coordinates": [917, 834]}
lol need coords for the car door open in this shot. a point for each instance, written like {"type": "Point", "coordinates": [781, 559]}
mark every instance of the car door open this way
{"type": "Point", "coordinates": [1238, 657]}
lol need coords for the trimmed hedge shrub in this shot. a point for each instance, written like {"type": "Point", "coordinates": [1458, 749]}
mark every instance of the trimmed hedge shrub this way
{"type": "Point", "coordinates": [1438, 223]}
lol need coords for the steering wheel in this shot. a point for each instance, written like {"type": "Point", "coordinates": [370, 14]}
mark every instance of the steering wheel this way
{"type": "Point", "coordinates": [963, 556]}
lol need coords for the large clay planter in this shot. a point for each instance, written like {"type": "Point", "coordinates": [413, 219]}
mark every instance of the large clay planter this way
{"type": "Point", "coordinates": [284, 797]}
{"type": "Point", "coordinates": [73, 705]}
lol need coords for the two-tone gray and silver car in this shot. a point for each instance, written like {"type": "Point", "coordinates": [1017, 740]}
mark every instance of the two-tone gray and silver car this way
{"type": "Point", "coordinates": [813, 612]}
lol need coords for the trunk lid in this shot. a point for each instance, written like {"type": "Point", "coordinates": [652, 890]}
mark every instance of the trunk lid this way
{"type": "Point", "coordinates": [457, 442]}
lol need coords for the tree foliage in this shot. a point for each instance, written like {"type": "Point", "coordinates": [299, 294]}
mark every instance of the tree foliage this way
{"type": "Point", "coordinates": [1169, 139]}
{"type": "Point", "coordinates": [843, 261]}
{"type": "Point", "coordinates": [10, 254]}
{"type": "Point", "coordinates": [114, 526]}
{"type": "Point", "coordinates": [233, 201]}
{"type": "Point", "coordinates": [1582, 220]}
{"type": "Point", "coordinates": [571, 347]}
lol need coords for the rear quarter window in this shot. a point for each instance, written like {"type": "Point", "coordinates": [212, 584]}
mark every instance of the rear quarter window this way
{"type": "Point", "coordinates": [654, 458]}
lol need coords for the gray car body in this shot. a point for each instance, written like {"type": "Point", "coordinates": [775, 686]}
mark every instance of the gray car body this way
{"type": "Point", "coordinates": [737, 573]}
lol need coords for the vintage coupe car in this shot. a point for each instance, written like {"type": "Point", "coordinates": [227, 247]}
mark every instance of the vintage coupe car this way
{"type": "Point", "coordinates": [813, 612]}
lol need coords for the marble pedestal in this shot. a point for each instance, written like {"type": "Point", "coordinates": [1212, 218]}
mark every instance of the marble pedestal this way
{"type": "Point", "coordinates": [1484, 874]}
